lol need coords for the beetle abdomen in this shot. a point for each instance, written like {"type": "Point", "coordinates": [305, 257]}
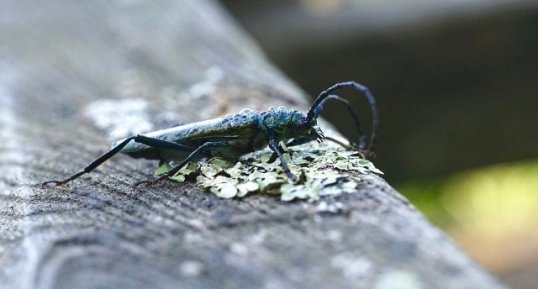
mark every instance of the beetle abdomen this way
{"type": "Point", "coordinates": [231, 127]}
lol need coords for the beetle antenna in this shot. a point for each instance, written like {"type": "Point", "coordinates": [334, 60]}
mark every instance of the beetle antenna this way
{"type": "Point", "coordinates": [361, 144]}
{"type": "Point", "coordinates": [325, 95]}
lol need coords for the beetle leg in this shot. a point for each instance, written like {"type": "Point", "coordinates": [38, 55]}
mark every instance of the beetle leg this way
{"type": "Point", "coordinates": [273, 144]}
{"type": "Point", "coordinates": [189, 158]}
{"type": "Point", "coordinates": [162, 144]}
{"type": "Point", "coordinates": [152, 142]}
{"type": "Point", "coordinates": [197, 151]}
{"type": "Point", "coordinates": [293, 142]}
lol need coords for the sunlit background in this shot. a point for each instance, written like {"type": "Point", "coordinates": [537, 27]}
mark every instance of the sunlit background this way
{"type": "Point", "coordinates": [457, 84]}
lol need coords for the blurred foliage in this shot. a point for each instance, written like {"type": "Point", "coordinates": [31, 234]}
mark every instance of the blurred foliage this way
{"type": "Point", "coordinates": [497, 203]}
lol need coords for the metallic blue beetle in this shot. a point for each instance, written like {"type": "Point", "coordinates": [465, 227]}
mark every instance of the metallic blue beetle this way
{"type": "Point", "coordinates": [234, 135]}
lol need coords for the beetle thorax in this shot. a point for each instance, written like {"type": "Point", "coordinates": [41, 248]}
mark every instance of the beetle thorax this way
{"type": "Point", "coordinates": [286, 123]}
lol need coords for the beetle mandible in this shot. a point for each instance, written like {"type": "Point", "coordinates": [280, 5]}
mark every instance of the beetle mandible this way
{"type": "Point", "coordinates": [234, 135]}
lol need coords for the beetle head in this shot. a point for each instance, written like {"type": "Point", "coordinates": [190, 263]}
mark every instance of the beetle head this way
{"type": "Point", "coordinates": [306, 129]}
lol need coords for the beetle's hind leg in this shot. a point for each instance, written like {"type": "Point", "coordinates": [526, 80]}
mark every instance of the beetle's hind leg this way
{"type": "Point", "coordinates": [152, 142]}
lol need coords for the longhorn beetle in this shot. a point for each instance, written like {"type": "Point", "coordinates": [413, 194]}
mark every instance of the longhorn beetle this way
{"type": "Point", "coordinates": [234, 135]}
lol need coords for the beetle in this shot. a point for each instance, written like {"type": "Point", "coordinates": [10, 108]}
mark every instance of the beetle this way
{"type": "Point", "coordinates": [234, 135]}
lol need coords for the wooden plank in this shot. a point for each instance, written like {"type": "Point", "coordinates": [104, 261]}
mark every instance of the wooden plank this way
{"type": "Point", "coordinates": [70, 70]}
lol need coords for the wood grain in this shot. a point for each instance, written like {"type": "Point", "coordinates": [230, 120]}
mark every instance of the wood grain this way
{"type": "Point", "coordinates": [185, 61]}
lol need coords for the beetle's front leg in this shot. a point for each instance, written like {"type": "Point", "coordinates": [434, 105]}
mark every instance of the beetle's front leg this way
{"type": "Point", "coordinates": [293, 142]}
{"type": "Point", "coordinates": [273, 145]}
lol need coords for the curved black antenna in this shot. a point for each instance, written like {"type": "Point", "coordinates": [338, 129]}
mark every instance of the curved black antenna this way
{"type": "Point", "coordinates": [362, 133]}
{"type": "Point", "coordinates": [314, 110]}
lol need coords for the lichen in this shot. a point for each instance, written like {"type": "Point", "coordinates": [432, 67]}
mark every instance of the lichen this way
{"type": "Point", "coordinates": [324, 169]}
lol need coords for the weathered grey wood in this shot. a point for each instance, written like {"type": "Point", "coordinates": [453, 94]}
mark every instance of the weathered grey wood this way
{"type": "Point", "coordinates": [187, 61]}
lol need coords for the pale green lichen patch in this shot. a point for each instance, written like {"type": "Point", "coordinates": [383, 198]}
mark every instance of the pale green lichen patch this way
{"type": "Point", "coordinates": [323, 170]}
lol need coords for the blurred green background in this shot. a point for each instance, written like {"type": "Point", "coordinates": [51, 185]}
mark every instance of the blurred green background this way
{"type": "Point", "coordinates": [457, 86]}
